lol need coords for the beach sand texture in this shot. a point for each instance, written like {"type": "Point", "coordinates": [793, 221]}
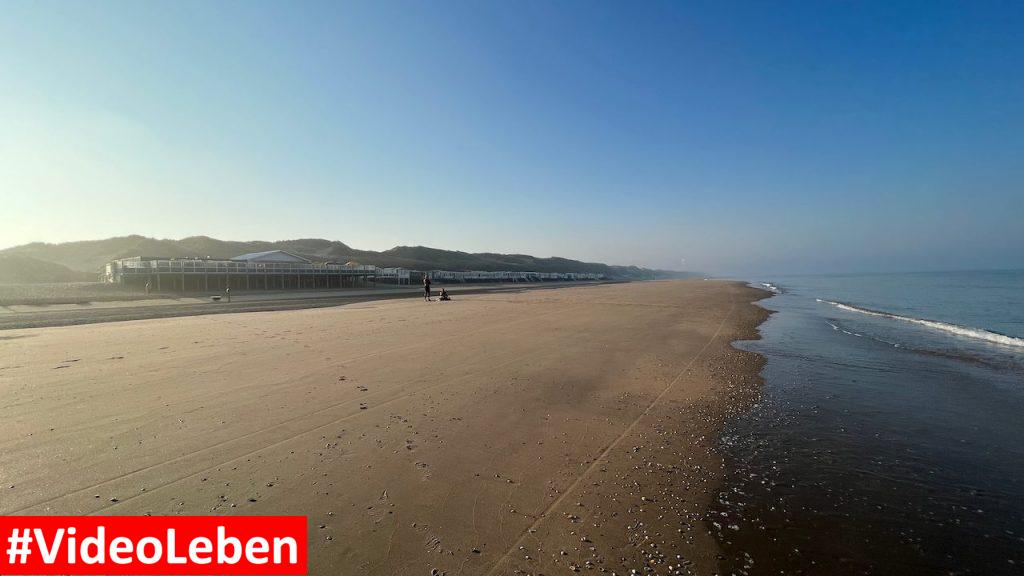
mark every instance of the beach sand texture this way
{"type": "Point", "coordinates": [506, 433]}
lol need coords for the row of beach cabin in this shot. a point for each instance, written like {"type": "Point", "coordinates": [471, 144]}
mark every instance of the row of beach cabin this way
{"type": "Point", "coordinates": [448, 276]}
{"type": "Point", "coordinates": [280, 270]}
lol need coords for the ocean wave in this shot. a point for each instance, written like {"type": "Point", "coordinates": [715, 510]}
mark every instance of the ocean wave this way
{"type": "Point", "coordinates": [771, 287]}
{"type": "Point", "coordinates": [844, 331]}
{"type": "Point", "coordinates": [1002, 364]}
{"type": "Point", "coordinates": [956, 329]}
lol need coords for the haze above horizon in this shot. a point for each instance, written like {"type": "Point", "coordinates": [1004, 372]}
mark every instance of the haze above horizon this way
{"type": "Point", "coordinates": [735, 138]}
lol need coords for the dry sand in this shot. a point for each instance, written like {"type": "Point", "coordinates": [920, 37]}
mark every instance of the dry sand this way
{"type": "Point", "coordinates": [46, 314]}
{"type": "Point", "coordinates": [495, 434]}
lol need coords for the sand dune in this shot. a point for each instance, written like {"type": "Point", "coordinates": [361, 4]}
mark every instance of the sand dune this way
{"type": "Point", "coordinates": [497, 434]}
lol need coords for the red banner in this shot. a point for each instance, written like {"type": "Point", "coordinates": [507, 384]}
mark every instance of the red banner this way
{"type": "Point", "coordinates": [153, 545]}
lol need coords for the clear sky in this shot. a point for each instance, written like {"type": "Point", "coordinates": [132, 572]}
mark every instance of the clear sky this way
{"type": "Point", "coordinates": [745, 138]}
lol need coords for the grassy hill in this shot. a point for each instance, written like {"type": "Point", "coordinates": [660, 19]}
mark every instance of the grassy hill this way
{"type": "Point", "coordinates": [91, 255]}
{"type": "Point", "coordinates": [18, 269]}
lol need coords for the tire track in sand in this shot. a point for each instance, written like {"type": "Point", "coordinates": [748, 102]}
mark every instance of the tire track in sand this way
{"type": "Point", "coordinates": [504, 558]}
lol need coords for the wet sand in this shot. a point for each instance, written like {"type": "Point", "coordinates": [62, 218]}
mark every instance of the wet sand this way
{"type": "Point", "coordinates": [500, 433]}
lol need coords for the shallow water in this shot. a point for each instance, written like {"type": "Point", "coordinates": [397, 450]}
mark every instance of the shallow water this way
{"type": "Point", "coordinates": [890, 436]}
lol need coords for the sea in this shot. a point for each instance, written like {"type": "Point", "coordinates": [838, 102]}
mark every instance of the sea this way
{"type": "Point", "coordinates": [889, 438]}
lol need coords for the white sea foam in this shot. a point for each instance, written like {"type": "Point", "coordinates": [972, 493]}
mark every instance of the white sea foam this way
{"type": "Point", "coordinates": [770, 286]}
{"type": "Point", "coordinates": [963, 331]}
{"type": "Point", "coordinates": [838, 329]}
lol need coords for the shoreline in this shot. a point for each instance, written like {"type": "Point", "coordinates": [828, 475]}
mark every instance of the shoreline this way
{"type": "Point", "coordinates": [823, 473]}
{"type": "Point", "coordinates": [505, 432]}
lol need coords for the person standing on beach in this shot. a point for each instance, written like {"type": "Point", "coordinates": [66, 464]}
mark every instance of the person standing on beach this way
{"type": "Point", "coordinates": [426, 287]}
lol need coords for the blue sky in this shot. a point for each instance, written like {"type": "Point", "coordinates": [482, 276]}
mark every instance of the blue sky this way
{"type": "Point", "coordinates": [745, 138]}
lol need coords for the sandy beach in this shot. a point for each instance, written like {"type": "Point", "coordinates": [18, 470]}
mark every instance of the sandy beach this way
{"type": "Point", "coordinates": [46, 311]}
{"type": "Point", "coordinates": [536, 432]}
